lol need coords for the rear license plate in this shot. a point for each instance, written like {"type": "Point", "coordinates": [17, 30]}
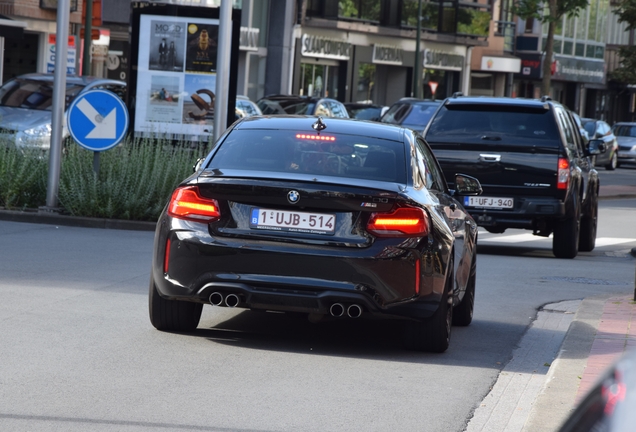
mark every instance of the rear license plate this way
{"type": "Point", "coordinates": [293, 221]}
{"type": "Point", "coordinates": [489, 202]}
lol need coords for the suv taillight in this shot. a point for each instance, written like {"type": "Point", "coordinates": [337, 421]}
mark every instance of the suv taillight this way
{"type": "Point", "coordinates": [404, 221]}
{"type": "Point", "coordinates": [563, 173]}
{"type": "Point", "coordinates": [186, 203]}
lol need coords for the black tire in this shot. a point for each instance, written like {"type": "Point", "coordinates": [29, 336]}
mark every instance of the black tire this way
{"type": "Point", "coordinates": [613, 163]}
{"type": "Point", "coordinates": [463, 312]}
{"type": "Point", "coordinates": [172, 315]}
{"type": "Point", "coordinates": [433, 334]}
{"type": "Point", "coordinates": [565, 243]}
{"type": "Point", "coordinates": [589, 222]}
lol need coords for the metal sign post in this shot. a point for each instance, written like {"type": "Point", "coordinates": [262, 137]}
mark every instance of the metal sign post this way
{"type": "Point", "coordinates": [223, 69]}
{"type": "Point", "coordinates": [58, 104]}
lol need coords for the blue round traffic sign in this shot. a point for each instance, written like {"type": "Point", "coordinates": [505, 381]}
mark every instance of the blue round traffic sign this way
{"type": "Point", "coordinates": [98, 120]}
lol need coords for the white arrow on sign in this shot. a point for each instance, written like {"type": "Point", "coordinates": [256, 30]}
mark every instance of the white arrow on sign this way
{"type": "Point", "coordinates": [105, 127]}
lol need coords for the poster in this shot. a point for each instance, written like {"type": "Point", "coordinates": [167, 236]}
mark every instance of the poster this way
{"type": "Point", "coordinates": [176, 82]}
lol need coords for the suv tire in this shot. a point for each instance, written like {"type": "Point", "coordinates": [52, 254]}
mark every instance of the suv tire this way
{"type": "Point", "coordinates": [172, 315]}
{"type": "Point", "coordinates": [589, 222]}
{"type": "Point", "coordinates": [565, 242]}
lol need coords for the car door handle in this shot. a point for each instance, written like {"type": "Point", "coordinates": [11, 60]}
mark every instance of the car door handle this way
{"type": "Point", "coordinates": [490, 157]}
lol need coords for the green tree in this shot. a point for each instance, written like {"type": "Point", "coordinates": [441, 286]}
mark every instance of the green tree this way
{"type": "Point", "coordinates": [550, 12]}
{"type": "Point", "coordinates": [626, 72]}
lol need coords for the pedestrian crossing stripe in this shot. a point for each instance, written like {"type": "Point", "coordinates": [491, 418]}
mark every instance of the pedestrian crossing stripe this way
{"type": "Point", "coordinates": [528, 237]}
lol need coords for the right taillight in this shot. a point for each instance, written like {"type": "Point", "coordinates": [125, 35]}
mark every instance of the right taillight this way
{"type": "Point", "coordinates": [187, 203]}
{"type": "Point", "coordinates": [401, 222]}
{"type": "Point", "coordinates": [563, 173]}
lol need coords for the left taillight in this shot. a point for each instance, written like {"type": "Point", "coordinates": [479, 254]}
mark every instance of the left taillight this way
{"type": "Point", "coordinates": [187, 203]}
{"type": "Point", "coordinates": [563, 173]}
{"type": "Point", "coordinates": [401, 222]}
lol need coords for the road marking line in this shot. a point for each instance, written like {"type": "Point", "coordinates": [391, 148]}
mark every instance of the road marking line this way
{"type": "Point", "coordinates": [528, 237]}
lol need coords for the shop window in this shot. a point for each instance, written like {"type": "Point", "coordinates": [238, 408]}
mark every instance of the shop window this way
{"type": "Point", "coordinates": [366, 82]}
{"type": "Point", "coordinates": [568, 46]}
{"type": "Point", "coordinates": [590, 51]}
{"type": "Point", "coordinates": [557, 46]}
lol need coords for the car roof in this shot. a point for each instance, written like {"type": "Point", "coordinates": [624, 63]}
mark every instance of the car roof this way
{"type": "Point", "coordinates": [81, 80]}
{"type": "Point", "coordinates": [298, 98]}
{"type": "Point", "coordinates": [500, 101]}
{"type": "Point", "coordinates": [334, 125]}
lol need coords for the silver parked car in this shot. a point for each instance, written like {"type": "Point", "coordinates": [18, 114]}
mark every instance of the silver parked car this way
{"type": "Point", "coordinates": [626, 137]}
{"type": "Point", "coordinates": [598, 129]}
{"type": "Point", "coordinates": [25, 106]}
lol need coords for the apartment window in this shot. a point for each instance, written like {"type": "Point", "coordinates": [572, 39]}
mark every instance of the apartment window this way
{"type": "Point", "coordinates": [364, 10]}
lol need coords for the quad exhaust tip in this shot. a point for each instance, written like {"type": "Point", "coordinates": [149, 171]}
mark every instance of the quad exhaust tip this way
{"type": "Point", "coordinates": [232, 300]}
{"type": "Point", "coordinates": [354, 311]}
{"type": "Point", "coordinates": [216, 298]}
{"type": "Point", "coordinates": [337, 309]}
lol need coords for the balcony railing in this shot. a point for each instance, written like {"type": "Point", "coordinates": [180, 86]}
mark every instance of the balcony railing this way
{"type": "Point", "coordinates": [506, 30]}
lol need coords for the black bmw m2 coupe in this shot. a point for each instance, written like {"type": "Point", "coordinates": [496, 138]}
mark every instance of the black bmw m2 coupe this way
{"type": "Point", "coordinates": [327, 217]}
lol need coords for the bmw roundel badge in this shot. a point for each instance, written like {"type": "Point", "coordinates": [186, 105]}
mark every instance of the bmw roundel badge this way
{"type": "Point", "coordinates": [293, 196]}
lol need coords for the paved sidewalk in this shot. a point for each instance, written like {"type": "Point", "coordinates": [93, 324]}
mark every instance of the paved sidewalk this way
{"type": "Point", "coordinates": [616, 334]}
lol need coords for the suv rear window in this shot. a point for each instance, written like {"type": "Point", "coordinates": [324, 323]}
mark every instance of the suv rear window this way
{"type": "Point", "coordinates": [293, 106]}
{"type": "Point", "coordinates": [410, 114]}
{"type": "Point", "coordinates": [300, 152]}
{"type": "Point", "coordinates": [477, 123]}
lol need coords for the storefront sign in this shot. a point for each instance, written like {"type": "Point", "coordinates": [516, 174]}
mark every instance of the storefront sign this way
{"type": "Point", "coordinates": [500, 64]}
{"type": "Point", "coordinates": [443, 60]}
{"type": "Point", "coordinates": [249, 39]}
{"type": "Point", "coordinates": [318, 46]}
{"type": "Point", "coordinates": [385, 54]}
{"type": "Point", "coordinates": [530, 66]}
{"type": "Point", "coordinates": [70, 57]}
{"type": "Point", "coordinates": [580, 70]}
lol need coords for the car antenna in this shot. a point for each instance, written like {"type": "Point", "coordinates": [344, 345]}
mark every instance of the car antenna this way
{"type": "Point", "coordinates": [319, 125]}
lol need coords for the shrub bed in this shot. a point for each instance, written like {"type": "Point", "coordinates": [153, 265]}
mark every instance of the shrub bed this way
{"type": "Point", "coordinates": [134, 180]}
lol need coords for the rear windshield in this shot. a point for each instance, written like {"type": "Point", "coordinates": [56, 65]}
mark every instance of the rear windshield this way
{"type": "Point", "coordinates": [625, 130]}
{"type": "Point", "coordinates": [479, 124]}
{"type": "Point", "coordinates": [410, 114]}
{"type": "Point", "coordinates": [288, 151]}
{"type": "Point", "coordinates": [294, 106]}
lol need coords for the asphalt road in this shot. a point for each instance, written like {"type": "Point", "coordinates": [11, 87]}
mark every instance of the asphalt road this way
{"type": "Point", "coordinates": [78, 352]}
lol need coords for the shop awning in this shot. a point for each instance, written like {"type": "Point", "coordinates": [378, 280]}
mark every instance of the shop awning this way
{"type": "Point", "coordinates": [11, 28]}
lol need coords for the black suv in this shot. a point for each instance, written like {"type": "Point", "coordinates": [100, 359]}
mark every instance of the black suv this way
{"type": "Point", "coordinates": [534, 168]}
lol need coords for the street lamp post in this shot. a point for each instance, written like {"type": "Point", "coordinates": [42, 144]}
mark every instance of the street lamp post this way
{"type": "Point", "coordinates": [417, 71]}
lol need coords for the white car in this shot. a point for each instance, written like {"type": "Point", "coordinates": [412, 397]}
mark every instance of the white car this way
{"type": "Point", "coordinates": [25, 106]}
{"type": "Point", "coordinates": [626, 137]}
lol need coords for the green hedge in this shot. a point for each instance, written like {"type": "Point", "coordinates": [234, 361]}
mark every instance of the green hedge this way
{"type": "Point", "coordinates": [134, 182]}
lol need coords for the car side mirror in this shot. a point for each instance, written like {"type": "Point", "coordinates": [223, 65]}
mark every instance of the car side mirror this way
{"type": "Point", "coordinates": [467, 185]}
{"type": "Point", "coordinates": [596, 147]}
{"type": "Point", "coordinates": [197, 166]}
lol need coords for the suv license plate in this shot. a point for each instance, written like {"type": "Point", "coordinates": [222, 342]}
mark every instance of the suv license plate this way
{"type": "Point", "coordinates": [489, 202]}
{"type": "Point", "coordinates": [293, 221]}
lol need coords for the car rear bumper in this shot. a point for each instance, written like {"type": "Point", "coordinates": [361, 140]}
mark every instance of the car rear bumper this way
{"type": "Point", "coordinates": [285, 277]}
{"type": "Point", "coordinates": [528, 212]}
